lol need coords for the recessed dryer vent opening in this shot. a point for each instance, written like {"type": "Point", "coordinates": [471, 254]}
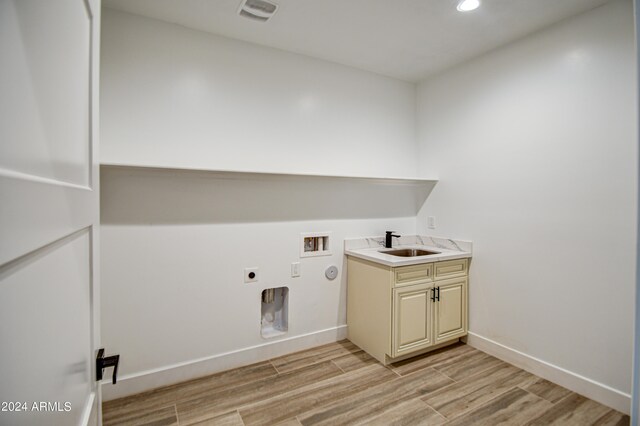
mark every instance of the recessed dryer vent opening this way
{"type": "Point", "coordinates": [275, 312]}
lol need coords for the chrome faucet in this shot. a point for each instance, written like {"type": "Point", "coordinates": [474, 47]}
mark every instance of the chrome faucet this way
{"type": "Point", "coordinates": [387, 239]}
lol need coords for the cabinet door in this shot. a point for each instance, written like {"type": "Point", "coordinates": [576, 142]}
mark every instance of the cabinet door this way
{"type": "Point", "coordinates": [451, 309]}
{"type": "Point", "coordinates": [412, 318]}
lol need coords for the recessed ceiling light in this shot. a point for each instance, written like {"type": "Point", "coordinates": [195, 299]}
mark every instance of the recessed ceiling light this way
{"type": "Point", "coordinates": [467, 5]}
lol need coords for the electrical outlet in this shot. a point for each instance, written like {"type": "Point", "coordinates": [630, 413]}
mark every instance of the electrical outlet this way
{"type": "Point", "coordinates": [250, 275]}
{"type": "Point", "coordinates": [431, 222]}
{"type": "Point", "coordinates": [295, 269]}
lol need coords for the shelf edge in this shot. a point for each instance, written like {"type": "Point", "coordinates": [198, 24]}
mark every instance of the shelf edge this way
{"type": "Point", "coordinates": [248, 173]}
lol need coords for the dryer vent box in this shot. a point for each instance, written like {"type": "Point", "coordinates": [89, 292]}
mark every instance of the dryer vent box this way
{"type": "Point", "coordinates": [258, 10]}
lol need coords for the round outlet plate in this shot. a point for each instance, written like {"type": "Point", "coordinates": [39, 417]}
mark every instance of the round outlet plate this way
{"type": "Point", "coordinates": [331, 272]}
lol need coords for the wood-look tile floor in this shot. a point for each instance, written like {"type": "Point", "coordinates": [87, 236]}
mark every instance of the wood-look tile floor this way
{"type": "Point", "coordinates": [338, 384]}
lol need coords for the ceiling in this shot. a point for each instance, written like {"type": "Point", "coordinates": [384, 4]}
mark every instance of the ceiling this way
{"type": "Point", "coordinates": [404, 39]}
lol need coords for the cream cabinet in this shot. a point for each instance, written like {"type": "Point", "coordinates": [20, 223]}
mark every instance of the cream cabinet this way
{"type": "Point", "coordinates": [412, 319]}
{"type": "Point", "coordinates": [395, 313]}
{"type": "Point", "coordinates": [450, 309]}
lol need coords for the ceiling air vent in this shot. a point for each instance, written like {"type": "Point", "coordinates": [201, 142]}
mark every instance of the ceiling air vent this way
{"type": "Point", "coordinates": [259, 10]}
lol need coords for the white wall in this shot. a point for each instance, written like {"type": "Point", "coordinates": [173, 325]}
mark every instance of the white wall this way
{"type": "Point", "coordinates": [198, 100]}
{"type": "Point", "coordinates": [174, 303]}
{"type": "Point", "coordinates": [535, 147]}
{"type": "Point", "coordinates": [174, 293]}
{"type": "Point", "coordinates": [635, 389]}
{"type": "Point", "coordinates": [174, 245]}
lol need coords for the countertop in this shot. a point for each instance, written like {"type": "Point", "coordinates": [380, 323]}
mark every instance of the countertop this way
{"type": "Point", "coordinates": [372, 249]}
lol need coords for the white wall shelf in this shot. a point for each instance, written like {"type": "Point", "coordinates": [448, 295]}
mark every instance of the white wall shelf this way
{"type": "Point", "coordinates": [151, 194]}
{"type": "Point", "coordinates": [250, 174]}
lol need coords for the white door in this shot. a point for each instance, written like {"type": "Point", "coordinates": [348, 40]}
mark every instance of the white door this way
{"type": "Point", "coordinates": [49, 217]}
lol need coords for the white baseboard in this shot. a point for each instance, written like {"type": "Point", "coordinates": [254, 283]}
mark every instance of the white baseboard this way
{"type": "Point", "coordinates": [582, 385]}
{"type": "Point", "coordinates": [140, 382]}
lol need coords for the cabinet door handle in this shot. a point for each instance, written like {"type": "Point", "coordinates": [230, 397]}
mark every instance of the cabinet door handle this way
{"type": "Point", "coordinates": [433, 295]}
{"type": "Point", "coordinates": [438, 296]}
